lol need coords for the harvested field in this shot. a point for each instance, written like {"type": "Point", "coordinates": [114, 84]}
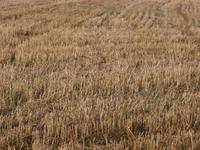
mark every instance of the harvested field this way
{"type": "Point", "coordinates": [100, 74]}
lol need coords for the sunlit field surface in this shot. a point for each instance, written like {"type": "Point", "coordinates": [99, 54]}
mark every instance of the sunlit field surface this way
{"type": "Point", "coordinates": [100, 75]}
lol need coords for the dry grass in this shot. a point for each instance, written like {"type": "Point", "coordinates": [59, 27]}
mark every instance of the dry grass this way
{"type": "Point", "coordinates": [100, 74]}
